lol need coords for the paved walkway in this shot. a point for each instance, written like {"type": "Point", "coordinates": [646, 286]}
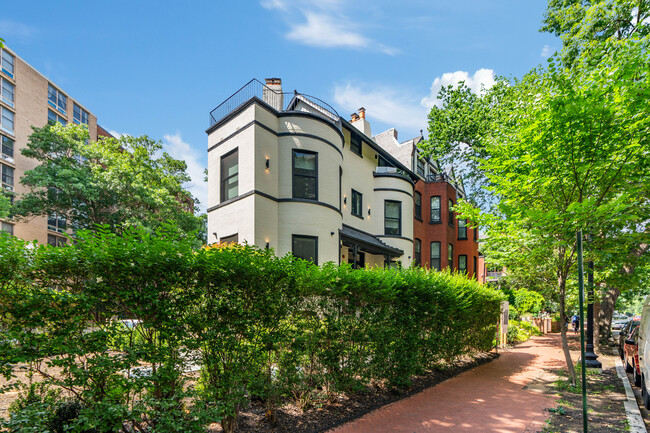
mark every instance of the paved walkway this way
{"type": "Point", "coordinates": [491, 398]}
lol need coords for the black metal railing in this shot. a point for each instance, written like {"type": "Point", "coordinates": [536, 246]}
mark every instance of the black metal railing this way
{"type": "Point", "coordinates": [282, 102]}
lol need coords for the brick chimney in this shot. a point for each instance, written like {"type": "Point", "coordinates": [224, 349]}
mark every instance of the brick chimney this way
{"type": "Point", "coordinates": [361, 123]}
{"type": "Point", "coordinates": [272, 93]}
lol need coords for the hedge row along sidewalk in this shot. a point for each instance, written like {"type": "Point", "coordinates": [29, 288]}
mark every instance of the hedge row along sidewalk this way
{"type": "Point", "coordinates": [213, 329]}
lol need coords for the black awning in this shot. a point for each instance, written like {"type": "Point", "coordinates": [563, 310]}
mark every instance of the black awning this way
{"type": "Point", "coordinates": [368, 242]}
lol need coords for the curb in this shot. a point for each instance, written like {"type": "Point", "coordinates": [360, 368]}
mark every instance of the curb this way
{"type": "Point", "coordinates": [631, 407]}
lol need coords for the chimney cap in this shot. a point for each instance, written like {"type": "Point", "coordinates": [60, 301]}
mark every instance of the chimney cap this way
{"type": "Point", "coordinates": [273, 81]}
{"type": "Point", "coordinates": [354, 117]}
{"type": "Point", "coordinates": [362, 113]}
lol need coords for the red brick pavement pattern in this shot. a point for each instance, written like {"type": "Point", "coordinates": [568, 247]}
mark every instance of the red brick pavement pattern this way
{"type": "Point", "coordinates": [490, 398]}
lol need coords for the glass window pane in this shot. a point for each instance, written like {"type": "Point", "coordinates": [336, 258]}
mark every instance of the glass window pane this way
{"type": "Point", "coordinates": [230, 176]}
{"type": "Point", "coordinates": [7, 120]}
{"type": "Point", "coordinates": [7, 146]}
{"type": "Point", "coordinates": [305, 161]}
{"type": "Point", "coordinates": [8, 63]}
{"type": "Point", "coordinates": [8, 92]}
{"type": "Point", "coordinates": [435, 209]}
{"type": "Point", "coordinates": [305, 247]}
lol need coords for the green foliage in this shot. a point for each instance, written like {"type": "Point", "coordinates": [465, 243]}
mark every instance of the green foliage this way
{"type": "Point", "coordinates": [209, 330]}
{"type": "Point", "coordinates": [117, 182]}
{"type": "Point", "coordinates": [520, 331]}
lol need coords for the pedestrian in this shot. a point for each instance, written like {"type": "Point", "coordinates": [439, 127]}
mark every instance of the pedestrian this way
{"type": "Point", "coordinates": [575, 321]}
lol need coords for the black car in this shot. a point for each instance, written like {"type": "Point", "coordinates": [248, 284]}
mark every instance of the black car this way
{"type": "Point", "coordinates": [623, 335]}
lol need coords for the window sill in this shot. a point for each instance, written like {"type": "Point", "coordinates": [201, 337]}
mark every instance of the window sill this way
{"type": "Point", "coordinates": [358, 216]}
{"type": "Point", "coordinates": [462, 239]}
{"type": "Point", "coordinates": [435, 222]}
{"type": "Point", "coordinates": [419, 219]}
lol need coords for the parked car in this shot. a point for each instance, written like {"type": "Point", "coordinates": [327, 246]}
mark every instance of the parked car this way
{"type": "Point", "coordinates": [644, 351]}
{"type": "Point", "coordinates": [631, 355]}
{"type": "Point", "coordinates": [619, 321]}
{"type": "Point", "coordinates": [625, 332]}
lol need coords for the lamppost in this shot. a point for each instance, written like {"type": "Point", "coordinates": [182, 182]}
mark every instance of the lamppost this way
{"type": "Point", "coordinates": [591, 359]}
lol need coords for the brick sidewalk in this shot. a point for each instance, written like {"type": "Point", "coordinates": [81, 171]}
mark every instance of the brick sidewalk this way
{"type": "Point", "coordinates": [489, 398]}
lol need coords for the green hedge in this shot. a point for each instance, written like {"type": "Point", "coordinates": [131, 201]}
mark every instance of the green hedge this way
{"type": "Point", "coordinates": [218, 327]}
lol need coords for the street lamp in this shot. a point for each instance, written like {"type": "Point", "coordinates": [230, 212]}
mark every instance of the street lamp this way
{"type": "Point", "coordinates": [591, 359]}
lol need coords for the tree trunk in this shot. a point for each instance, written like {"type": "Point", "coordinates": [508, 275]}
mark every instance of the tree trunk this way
{"type": "Point", "coordinates": [229, 423]}
{"type": "Point", "coordinates": [563, 328]}
{"type": "Point", "coordinates": [607, 304]}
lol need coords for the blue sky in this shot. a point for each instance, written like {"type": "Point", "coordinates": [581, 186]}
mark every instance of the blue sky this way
{"type": "Point", "coordinates": [158, 68]}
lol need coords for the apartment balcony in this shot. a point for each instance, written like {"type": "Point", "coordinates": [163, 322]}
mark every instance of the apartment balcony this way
{"type": "Point", "coordinates": [282, 102]}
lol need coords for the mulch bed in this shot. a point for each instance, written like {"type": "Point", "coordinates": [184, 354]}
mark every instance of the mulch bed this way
{"type": "Point", "coordinates": [348, 407]}
{"type": "Point", "coordinates": [605, 397]}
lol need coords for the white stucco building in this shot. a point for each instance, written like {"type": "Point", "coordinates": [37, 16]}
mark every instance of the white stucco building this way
{"type": "Point", "coordinates": [286, 172]}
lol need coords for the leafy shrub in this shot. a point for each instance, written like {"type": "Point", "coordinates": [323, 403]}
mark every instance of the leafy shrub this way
{"type": "Point", "coordinates": [255, 326]}
{"type": "Point", "coordinates": [520, 331]}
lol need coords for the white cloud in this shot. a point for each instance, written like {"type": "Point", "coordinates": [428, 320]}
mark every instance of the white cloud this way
{"type": "Point", "coordinates": [383, 103]}
{"type": "Point", "coordinates": [482, 79]}
{"type": "Point", "coordinates": [324, 23]}
{"type": "Point", "coordinates": [15, 30]}
{"type": "Point", "coordinates": [546, 51]}
{"type": "Point", "coordinates": [321, 30]}
{"type": "Point", "coordinates": [177, 148]}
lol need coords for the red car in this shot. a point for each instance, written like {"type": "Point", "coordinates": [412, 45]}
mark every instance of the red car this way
{"type": "Point", "coordinates": [631, 355]}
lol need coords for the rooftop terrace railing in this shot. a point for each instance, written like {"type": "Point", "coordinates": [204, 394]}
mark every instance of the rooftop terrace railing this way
{"type": "Point", "coordinates": [282, 102]}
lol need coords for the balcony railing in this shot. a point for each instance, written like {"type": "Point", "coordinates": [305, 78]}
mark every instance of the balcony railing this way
{"type": "Point", "coordinates": [282, 102]}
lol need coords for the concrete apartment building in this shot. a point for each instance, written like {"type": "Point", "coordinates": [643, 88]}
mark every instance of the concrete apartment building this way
{"type": "Point", "coordinates": [285, 171]}
{"type": "Point", "coordinates": [29, 99]}
{"type": "Point", "coordinates": [441, 240]}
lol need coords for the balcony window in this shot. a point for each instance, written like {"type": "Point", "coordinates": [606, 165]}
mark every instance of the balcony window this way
{"type": "Point", "coordinates": [305, 247]}
{"type": "Point", "coordinates": [355, 144]}
{"type": "Point", "coordinates": [418, 205]}
{"type": "Point", "coordinates": [6, 147]}
{"type": "Point", "coordinates": [7, 63]}
{"type": "Point", "coordinates": [79, 115]}
{"type": "Point", "coordinates": [435, 255]}
{"type": "Point", "coordinates": [462, 264]}
{"type": "Point", "coordinates": [56, 98]}
{"type": "Point", "coordinates": [7, 228]}
{"type": "Point", "coordinates": [7, 177]}
{"type": "Point", "coordinates": [450, 257]}
{"type": "Point", "coordinates": [8, 91]}
{"type": "Point", "coordinates": [393, 218]}
{"type": "Point", "coordinates": [462, 229]}
{"type": "Point", "coordinates": [451, 213]}
{"type": "Point", "coordinates": [230, 175]}
{"type": "Point", "coordinates": [435, 209]}
{"type": "Point", "coordinates": [357, 203]}
{"type": "Point", "coordinates": [305, 175]}
{"type": "Point", "coordinates": [417, 256]}
{"type": "Point", "coordinates": [53, 117]}
{"type": "Point", "coordinates": [7, 120]}
{"type": "Point", "coordinates": [56, 222]}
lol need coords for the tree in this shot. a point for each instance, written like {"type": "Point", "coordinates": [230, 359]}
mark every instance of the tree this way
{"type": "Point", "coordinates": [565, 149]}
{"type": "Point", "coordinates": [118, 182]}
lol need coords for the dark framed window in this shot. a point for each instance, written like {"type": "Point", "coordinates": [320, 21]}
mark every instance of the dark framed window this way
{"type": "Point", "coordinates": [7, 177]}
{"type": "Point", "coordinates": [359, 262]}
{"type": "Point", "coordinates": [383, 162]}
{"type": "Point", "coordinates": [230, 175]}
{"type": "Point", "coordinates": [56, 241]}
{"type": "Point", "coordinates": [475, 234]}
{"type": "Point", "coordinates": [52, 118]}
{"type": "Point", "coordinates": [393, 217]}
{"type": "Point", "coordinates": [451, 213]}
{"type": "Point", "coordinates": [474, 269]}
{"type": "Point", "coordinates": [7, 63]}
{"type": "Point", "coordinates": [462, 264]}
{"type": "Point", "coordinates": [232, 239]}
{"type": "Point", "coordinates": [305, 174]}
{"type": "Point", "coordinates": [462, 229]}
{"type": "Point", "coordinates": [56, 222]}
{"type": "Point", "coordinates": [355, 144]}
{"type": "Point", "coordinates": [305, 247]}
{"type": "Point", "coordinates": [420, 167]}
{"type": "Point", "coordinates": [357, 203]}
{"type": "Point", "coordinates": [56, 98]}
{"type": "Point", "coordinates": [7, 120]}
{"type": "Point", "coordinates": [79, 115]}
{"type": "Point", "coordinates": [417, 199]}
{"type": "Point", "coordinates": [450, 257]}
{"type": "Point", "coordinates": [417, 256]}
{"type": "Point", "coordinates": [435, 255]}
{"type": "Point", "coordinates": [435, 209]}
{"type": "Point", "coordinates": [7, 228]}
{"type": "Point", "coordinates": [8, 90]}
{"type": "Point", "coordinates": [340, 188]}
